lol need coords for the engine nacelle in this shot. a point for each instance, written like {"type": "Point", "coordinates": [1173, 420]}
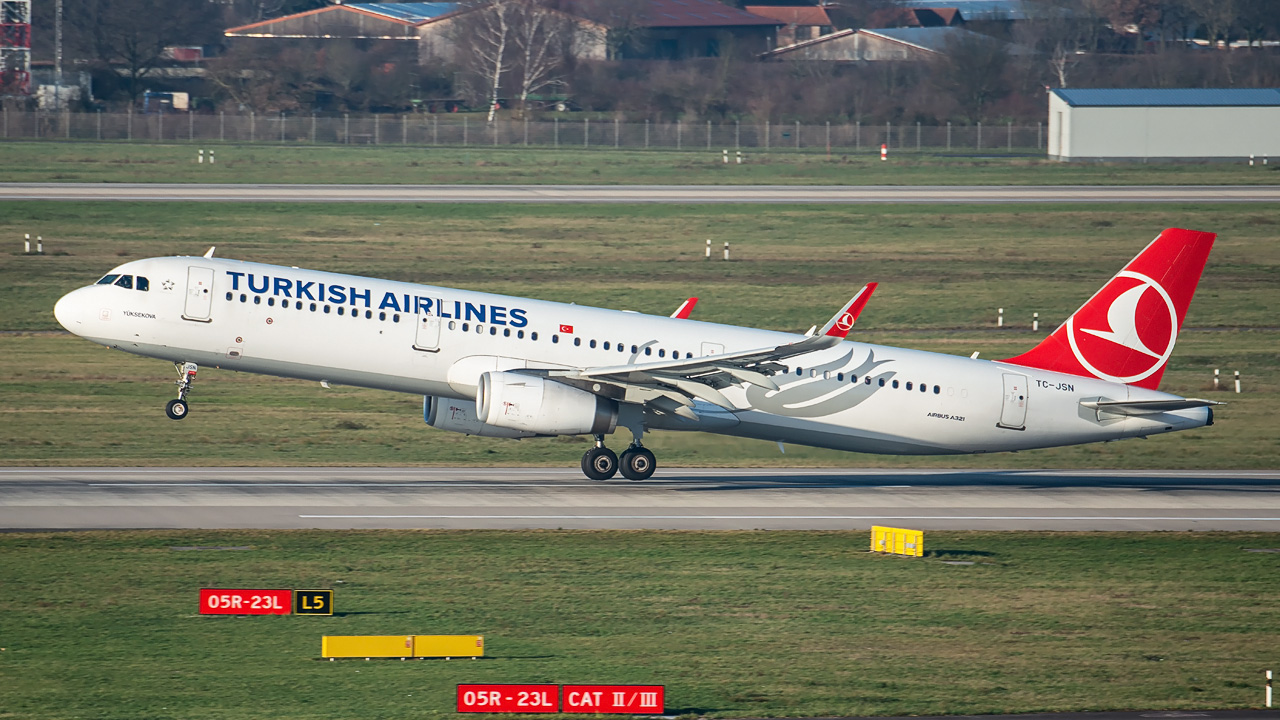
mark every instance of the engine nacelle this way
{"type": "Point", "coordinates": [538, 405]}
{"type": "Point", "coordinates": [460, 416]}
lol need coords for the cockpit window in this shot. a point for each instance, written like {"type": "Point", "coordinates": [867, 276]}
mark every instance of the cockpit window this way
{"type": "Point", "coordinates": [125, 281]}
{"type": "Point", "coordinates": [108, 279]}
{"type": "Point", "coordinates": [143, 284]}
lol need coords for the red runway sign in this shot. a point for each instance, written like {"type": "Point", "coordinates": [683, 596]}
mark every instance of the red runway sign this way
{"type": "Point", "coordinates": [627, 699]}
{"type": "Point", "coordinates": [217, 601]}
{"type": "Point", "coordinates": [509, 698]}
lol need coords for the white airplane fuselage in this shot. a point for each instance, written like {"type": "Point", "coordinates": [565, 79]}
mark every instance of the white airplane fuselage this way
{"type": "Point", "coordinates": [436, 341]}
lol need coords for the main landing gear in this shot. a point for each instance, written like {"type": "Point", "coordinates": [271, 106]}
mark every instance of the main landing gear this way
{"type": "Point", "coordinates": [177, 409]}
{"type": "Point", "coordinates": [601, 463]}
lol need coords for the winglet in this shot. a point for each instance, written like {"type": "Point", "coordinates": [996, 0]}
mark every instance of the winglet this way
{"type": "Point", "coordinates": [840, 323]}
{"type": "Point", "coordinates": [209, 254]}
{"type": "Point", "coordinates": [685, 309]}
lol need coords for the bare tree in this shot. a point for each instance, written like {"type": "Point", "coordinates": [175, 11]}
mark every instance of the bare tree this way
{"type": "Point", "coordinates": [130, 36]}
{"type": "Point", "coordinates": [542, 38]}
{"type": "Point", "coordinates": [482, 35]}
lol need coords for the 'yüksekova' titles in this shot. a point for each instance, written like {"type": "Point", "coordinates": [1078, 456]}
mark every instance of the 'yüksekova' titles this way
{"type": "Point", "coordinates": [405, 303]}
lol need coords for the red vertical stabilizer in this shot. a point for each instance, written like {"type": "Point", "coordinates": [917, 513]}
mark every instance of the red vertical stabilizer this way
{"type": "Point", "coordinates": [1125, 333]}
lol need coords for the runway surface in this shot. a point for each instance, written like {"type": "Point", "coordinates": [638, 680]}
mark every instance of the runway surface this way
{"type": "Point", "coordinates": [828, 194]}
{"type": "Point", "coordinates": [100, 498]}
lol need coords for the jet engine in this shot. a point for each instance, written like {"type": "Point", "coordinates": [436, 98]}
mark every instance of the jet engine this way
{"type": "Point", "coordinates": [460, 416]}
{"type": "Point", "coordinates": [537, 405]}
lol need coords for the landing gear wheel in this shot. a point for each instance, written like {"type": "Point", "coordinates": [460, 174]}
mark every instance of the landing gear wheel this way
{"type": "Point", "coordinates": [176, 409]}
{"type": "Point", "coordinates": [638, 464]}
{"type": "Point", "coordinates": [600, 463]}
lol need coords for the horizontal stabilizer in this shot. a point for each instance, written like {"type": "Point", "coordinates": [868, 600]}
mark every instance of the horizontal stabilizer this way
{"type": "Point", "coordinates": [1146, 407]}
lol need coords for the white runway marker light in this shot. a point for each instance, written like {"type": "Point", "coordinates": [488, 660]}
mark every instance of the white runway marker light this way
{"type": "Point", "coordinates": [1035, 321]}
{"type": "Point", "coordinates": [1268, 688]}
{"type": "Point", "coordinates": [1215, 379]}
{"type": "Point", "coordinates": [999, 317]}
{"type": "Point", "coordinates": [726, 251]}
{"type": "Point", "coordinates": [1237, 382]}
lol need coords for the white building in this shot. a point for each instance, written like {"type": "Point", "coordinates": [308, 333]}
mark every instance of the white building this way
{"type": "Point", "coordinates": [1138, 124]}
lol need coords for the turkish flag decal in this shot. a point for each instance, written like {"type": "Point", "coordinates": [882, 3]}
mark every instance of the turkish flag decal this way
{"type": "Point", "coordinates": [568, 329]}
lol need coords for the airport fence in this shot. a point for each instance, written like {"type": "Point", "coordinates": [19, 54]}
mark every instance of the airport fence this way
{"type": "Point", "coordinates": [460, 131]}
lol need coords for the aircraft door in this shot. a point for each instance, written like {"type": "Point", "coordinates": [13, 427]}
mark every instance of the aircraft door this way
{"type": "Point", "coordinates": [428, 337]}
{"type": "Point", "coordinates": [709, 348]}
{"type": "Point", "coordinates": [199, 294]}
{"type": "Point", "coordinates": [1013, 414]}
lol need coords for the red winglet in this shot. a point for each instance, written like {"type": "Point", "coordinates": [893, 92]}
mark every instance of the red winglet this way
{"type": "Point", "coordinates": [840, 323]}
{"type": "Point", "coordinates": [1125, 333]}
{"type": "Point", "coordinates": [685, 309]}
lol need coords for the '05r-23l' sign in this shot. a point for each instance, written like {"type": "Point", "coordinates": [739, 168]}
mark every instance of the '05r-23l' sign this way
{"type": "Point", "coordinates": [220, 601]}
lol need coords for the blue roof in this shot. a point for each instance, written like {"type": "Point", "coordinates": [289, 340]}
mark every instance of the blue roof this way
{"type": "Point", "coordinates": [975, 9]}
{"type": "Point", "coordinates": [409, 11]}
{"type": "Point", "coordinates": [1192, 97]}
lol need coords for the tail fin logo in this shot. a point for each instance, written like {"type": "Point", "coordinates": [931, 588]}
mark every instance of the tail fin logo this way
{"type": "Point", "coordinates": [845, 322]}
{"type": "Point", "coordinates": [1135, 336]}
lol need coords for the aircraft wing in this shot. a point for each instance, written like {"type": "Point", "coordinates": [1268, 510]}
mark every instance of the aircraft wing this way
{"type": "Point", "coordinates": [673, 385]}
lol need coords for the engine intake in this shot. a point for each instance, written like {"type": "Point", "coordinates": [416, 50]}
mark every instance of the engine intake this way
{"type": "Point", "coordinates": [537, 405]}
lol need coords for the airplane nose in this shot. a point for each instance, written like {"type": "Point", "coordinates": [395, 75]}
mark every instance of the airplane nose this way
{"type": "Point", "coordinates": [69, 311]}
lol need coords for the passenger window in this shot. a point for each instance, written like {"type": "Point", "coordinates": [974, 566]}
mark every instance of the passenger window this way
{"type": "Point", "coordinates": [479, 329]}
{"type": "Point", "coordinates": [228, 296]}
{"type": "Point", "coordinates": [493, 329]}
{"type": "Point", "coordinates": [520, 334]}
{"type": "Point", "coordinates": [908, 385]}
{"type": "Point", "coordinates": [395, 318]}
{"type": "Point", "coordinates": [466, 327]}
{"type": "Point", "coordinates": [506, 332]}
{"type": "Point", "coordinates": [881, 381]}
{"type": "Point", "coordinates": [577, 342]}
{"type": "Point", "coordinates": [924, 388]}
{"type": "Point", "coordinates": [937, 390]}
{"type": "Point", "coordinates": [592, 344]}
{"type": "Point", "coordinates": [662, 353]}
{"type": "Point", "coordinates": [271, 302]}
{"type": "Point", "coordinates": [125, 281]}
{"type": "Point", "coordinates": [895, 384]}
{"type": "Point", "coordinates": [634, 349]}
{"type": "Point", "coordinates": [826, 374]}
{"type": "Point", "coordinates": [257, 300]}
{"type": "Point", "coordinates": [853, 378]}
{"type": "Point", "coordinates": [453, 325]}
{"type": "Point", "coordinates": [341, 310]}
{"type": "Point", "coordinates": [555, 339]}
{"type": "Point", "coordinates": [533, 335]}
{"type": "Point", "coordinates": [108, 279]}
{"type": "Point", "coordinates": [143, 284]}
{"type": "Point", "coordinates": [648, 351]}
{"type": "Point", "coordinates": [868, 378]}
{"type": "Point", "coordinates": [244, 298]}
{"type": "Point", "coordinates": [313, 307]}
{"type": "Point", "coordinates": [606, 344]}
{"type": "Point", "coordinates": [799, 372]}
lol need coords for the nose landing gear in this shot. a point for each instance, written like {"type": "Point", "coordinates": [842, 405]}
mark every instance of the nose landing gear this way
{"type": "Point", "coordinates": [177, 409]}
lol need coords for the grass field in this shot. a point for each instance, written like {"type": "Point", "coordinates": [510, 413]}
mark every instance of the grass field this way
{"type": "Point", "coordinates": [943, 271]}
{"type": "Point", "coordinates": [104, 625]}
{"type": "Point", "coordinates": [120, 162]}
